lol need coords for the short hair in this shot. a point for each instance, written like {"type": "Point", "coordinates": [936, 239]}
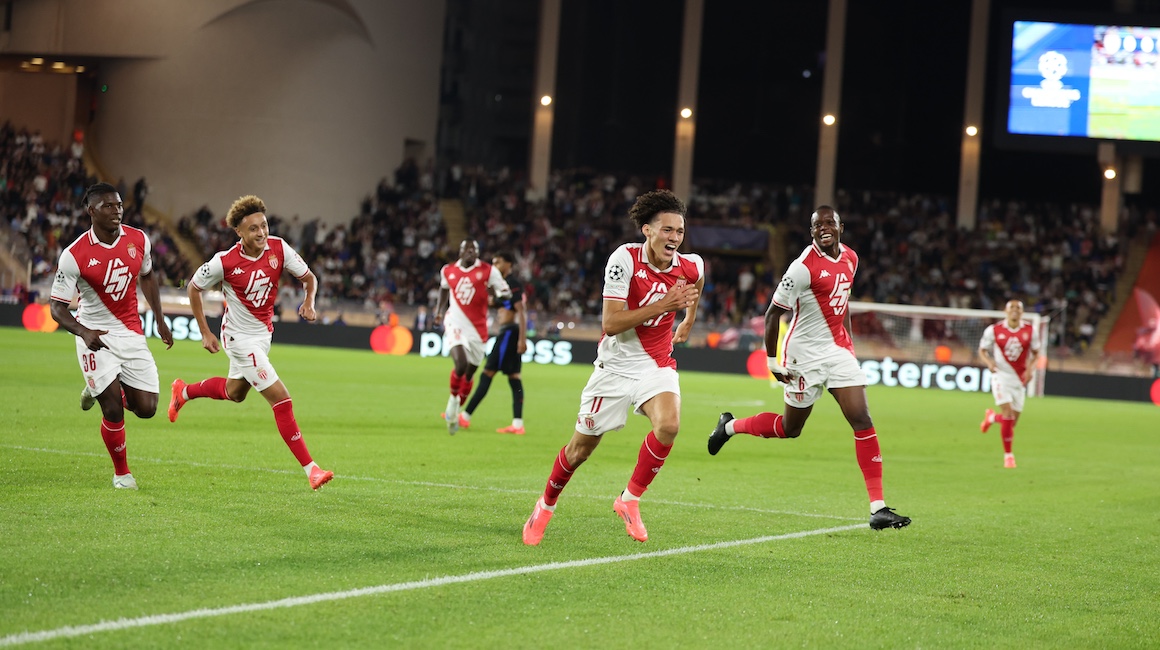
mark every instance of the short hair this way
{"type": "Point", "coordinates": [650, 204]}
{"type": "Point", "coordinates": [96, 191]}
{"type": "Point", "coordinates": [506, 256]}
{"type": "Point", "coordinates": [244, 207]}
{"type": "Point", "coordinates": [837, 217]}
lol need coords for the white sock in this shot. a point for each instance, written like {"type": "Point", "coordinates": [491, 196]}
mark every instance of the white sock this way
{"type": "Point", "coordinates": [466, 416]}
{"type": "Point", "coordinates": [875, 506]}
{"type": "Point", "coordinates": [309, 466]}
{"type": "Point", "coordinates": [518, 423]}
{"type": "Point", "coordinates": [546, 506]}
{"type": "Point", "coordinates": [628, 496]}
{"type": "Point", "coordinates": [729, 427]}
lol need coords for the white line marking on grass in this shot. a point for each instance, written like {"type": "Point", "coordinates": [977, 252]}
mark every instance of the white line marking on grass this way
{"type": "Point", "coordinates": [452, 486]}
{"type": "Point", "coordinates": [297, 601]}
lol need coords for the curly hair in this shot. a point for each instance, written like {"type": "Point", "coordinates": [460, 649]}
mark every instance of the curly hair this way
{"type": "Point", "coordinates": [650, 204]}
{"type": "Point", "coordinates": [244, 207]}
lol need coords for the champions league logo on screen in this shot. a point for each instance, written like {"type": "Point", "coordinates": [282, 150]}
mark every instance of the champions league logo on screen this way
{"type": "Point", "coordinates": [1051, 93]}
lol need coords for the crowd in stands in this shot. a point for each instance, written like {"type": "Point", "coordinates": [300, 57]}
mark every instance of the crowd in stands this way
{"type": "Point", "coordinates": [388, 255]}
{"type": "Point", "coordinates": [41, 188]}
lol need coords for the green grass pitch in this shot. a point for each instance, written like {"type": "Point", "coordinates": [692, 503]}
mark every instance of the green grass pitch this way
{"type": "Point", "coordinates": [416, 542]}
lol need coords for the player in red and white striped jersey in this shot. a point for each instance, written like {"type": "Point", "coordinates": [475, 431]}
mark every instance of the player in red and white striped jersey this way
{"type": "Point", "coordinates": [1009, 348]}
{"type": "Point", "coordinates": [818, 353]}
{"type": "Point", "coordinates": [104, 265]}
{"type": "Point", "coordinates": [644, 286]}
{"type": "Point", "coordinates": [249, 273]}
{"type": "Point", "coordinates": [464, 287]}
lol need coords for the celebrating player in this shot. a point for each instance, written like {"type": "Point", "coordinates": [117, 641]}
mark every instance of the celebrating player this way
{"type": "Point", "coordinates": [818, 352]}
{"type": "Point", "coordinates": [507, 354]}
{"type": "Point", "coordinates": [1009, 348]}
{"type": "Point", "coordinates": [249, 273]}
{"type": "Point", "coordinates": [104, 264]}
{"type": "Point", "coordinates": [645, 284]}
{"type": "Point", "coordinates": [462, 308]}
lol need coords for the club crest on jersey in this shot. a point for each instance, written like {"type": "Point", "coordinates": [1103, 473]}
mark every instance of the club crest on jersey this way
{"type": "Point", "coordinates": [478, 275]}
{"type": "Point", "coordinates": [131, 249]}
{"type": "Point", "coordinates": [262, 374]}
{"type": "Point", "coordinates": [273, 261]}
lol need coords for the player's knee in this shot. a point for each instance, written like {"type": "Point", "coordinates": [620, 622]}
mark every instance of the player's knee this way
{"type": "Point", "coordinates": [861, 422]}
{"type": "Point", "coordinates": [666, 430]}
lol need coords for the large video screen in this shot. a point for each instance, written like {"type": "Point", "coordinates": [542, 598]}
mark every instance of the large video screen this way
{"type": "Point", "coordinates": [1085, 81]}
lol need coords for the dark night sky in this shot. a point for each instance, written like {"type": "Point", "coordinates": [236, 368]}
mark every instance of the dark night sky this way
{"type": "Point", "coordinates": [902, 96]}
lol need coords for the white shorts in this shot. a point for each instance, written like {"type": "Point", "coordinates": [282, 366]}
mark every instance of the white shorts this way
{"type": "Point", "coordinates": [469, 339]}
{"type": "Point", "coordinates": [607, 396]}
{"type": "Point", "coordinates": [250, 360]}
{"type": "Point", "coordinates": [125, 356]}
{"type": "Point", "coordinates": [1008, 389]}
{"type": "Point", "coordinates": [839, 369]}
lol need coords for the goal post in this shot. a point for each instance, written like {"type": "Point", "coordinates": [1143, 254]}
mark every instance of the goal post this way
{"type": "Point", "coordinates": [935, 335]}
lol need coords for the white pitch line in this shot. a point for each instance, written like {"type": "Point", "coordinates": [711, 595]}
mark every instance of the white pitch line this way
{"type": "Point", "coordinates": [453, 486]}
{"type": "Point", "coordinates": [70, 631]}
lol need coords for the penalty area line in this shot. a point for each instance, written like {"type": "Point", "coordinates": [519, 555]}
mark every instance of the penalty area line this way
{"type": "Point", "coordinates": [71, 631]}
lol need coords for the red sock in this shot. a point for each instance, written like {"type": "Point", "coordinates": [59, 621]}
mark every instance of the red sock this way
{"type": "Point", "coordinates": [213, 388]}
{"type": "Point", "coordinates": [113, 433]}
{"type": "Point", "coordinates": [764, 425]}
{"type": "Point", "coordinates": [561, 474]}
{"type": "Point", "coordinates": [1007, 431]}
{"type": "Point", "coordinates": [288, 427]}
{"type": "Point", "coordinates": [648, 462]}
{"type": "Point", "coordinates": [465, 387]}
{"type": "Point", "coordinates": [456, 383]}
{"type": "Point", "coordinates": [870, 460]}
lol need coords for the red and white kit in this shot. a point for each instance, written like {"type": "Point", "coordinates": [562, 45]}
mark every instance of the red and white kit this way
{"type": "Point", "coordinates": [465, 322]}
{"type": "Point", "coordinates": [106, 277]}
{"type": "Point", "coordinates": [1011, 349]}
{"type": "Point", "coordinates": [817, 348]}
{"type": "Point", "coordinates": [250, 286]}
{"type": "Point", "coordinates": [637, 364]}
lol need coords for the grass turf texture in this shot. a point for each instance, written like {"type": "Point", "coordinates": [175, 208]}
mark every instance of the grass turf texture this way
{"type": "Point", "coordinates": [1060, 552]}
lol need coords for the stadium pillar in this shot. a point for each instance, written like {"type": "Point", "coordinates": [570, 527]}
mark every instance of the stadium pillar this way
{"type": "Point", "coordinates": [973, 116]}
{"type": "Point", "coordinates": [831, 103]}
{"type": "Point", "coordinates": [543, 111]}
{"type": "Point", "coordinates": [687, 99]}
{"type": "Point", "coordinates": [1111, 197]}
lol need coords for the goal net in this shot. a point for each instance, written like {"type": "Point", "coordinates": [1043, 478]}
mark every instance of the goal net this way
{"type": "Point", "coordinates": [935, 335]}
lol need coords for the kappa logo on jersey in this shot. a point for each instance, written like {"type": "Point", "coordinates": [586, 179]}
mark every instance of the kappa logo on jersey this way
{"type": "Point", "coordinates": [116, 279]}
{"type": "Point", "coordinates": [464, 290]}
{"type": "Point", "coordinates": [824, 274]}
{"type": "Point", "coordinates": [236, 271]}
{"type": "Point", "coordinates": [642, 275]}
{"type": "Point", "coordinates": [841, 294]}
{"type": "Point", "coordinates": [1013, 348]}
{"type": "Point", "coordinates": [93, 262]}
{"type": "Point", "coordinates": [258, 288]}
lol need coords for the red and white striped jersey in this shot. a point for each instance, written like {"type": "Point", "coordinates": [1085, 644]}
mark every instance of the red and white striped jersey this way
{"type": "Point", "coordinates": [630, 277]}
{"type": "Point", "coordinates": [1009, 346]}
{"type": "Point", "coordinates": [816, 288]}
{"type": "Point", "coordinates": [106, 277]}
{"type": "Point", "coordinates": [250, 284]}
{"type": "Point", "coordinates": [468, 287]}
